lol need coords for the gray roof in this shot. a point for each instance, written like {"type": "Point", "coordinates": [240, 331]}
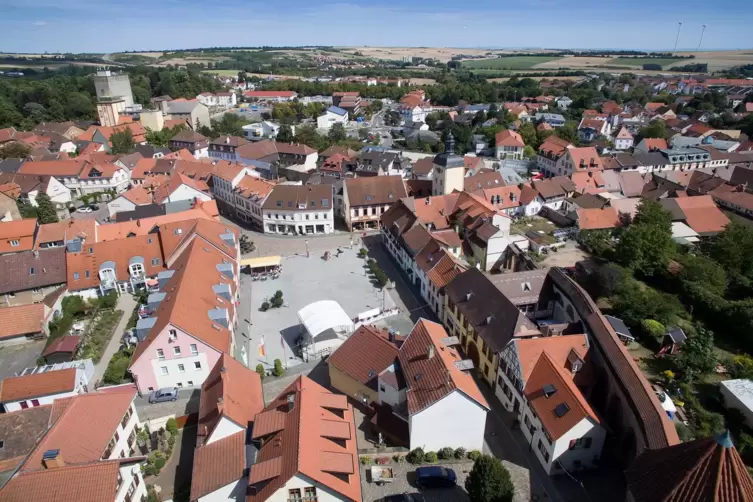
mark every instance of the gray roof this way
{"type": "Point", "coordinates": [48, 264]}
{"type": "Point", "coordinates": [521, 288]}
{"type": "Point", "coordinates": [10, 165]}
{"type": "Point", "coordinates": [182, 106]}
{"type": "Point", "coordinates": [619, 327]}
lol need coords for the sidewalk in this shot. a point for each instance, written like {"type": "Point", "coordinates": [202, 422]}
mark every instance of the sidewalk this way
{"type": "Point", "coordinates": [127, 304]}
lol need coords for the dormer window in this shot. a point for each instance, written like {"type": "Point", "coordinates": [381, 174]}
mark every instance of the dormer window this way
{"type": "Point", "coordinates": [137, 269]}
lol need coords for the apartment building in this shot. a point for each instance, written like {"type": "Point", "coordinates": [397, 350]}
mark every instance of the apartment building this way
{"type": "Point", "coordinates": [224, 147]}
{"type": "Point", "coordinates": [192, 141]}
{"type": "Point", "coordinates": [241, 193]}
{"type": "Point", "coordinates": [299, 210]}
{"type": "Point", "coordinates": [366, 199]}
{"type": "Point", "coordinates": [81, 177]}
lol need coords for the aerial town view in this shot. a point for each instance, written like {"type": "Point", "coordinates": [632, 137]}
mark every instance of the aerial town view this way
{"type": "Point", "coordinates": [376, 252]}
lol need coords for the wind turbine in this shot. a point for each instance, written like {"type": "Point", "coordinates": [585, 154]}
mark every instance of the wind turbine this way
{"type": "Point", "coordinates": [701, 40]}
{"type": "Point", "coordinates": [679, 27]}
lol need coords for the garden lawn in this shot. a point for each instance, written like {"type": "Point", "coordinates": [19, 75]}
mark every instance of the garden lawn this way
{"type": "Point", "coordinates": [508, 63]}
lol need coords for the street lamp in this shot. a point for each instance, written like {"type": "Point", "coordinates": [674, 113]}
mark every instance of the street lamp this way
{"type": "Point", "coordinates": [307, 248]}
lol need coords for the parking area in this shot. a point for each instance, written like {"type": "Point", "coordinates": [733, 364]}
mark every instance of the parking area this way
{"type": "Point", "coordinates": [304, 281]}
{"type": "Point", "coordinates": [405, 475]}
{"type": "Point", "coordinates": [15, 358]}
{"type": "Point", "coordinates": [99, 215]}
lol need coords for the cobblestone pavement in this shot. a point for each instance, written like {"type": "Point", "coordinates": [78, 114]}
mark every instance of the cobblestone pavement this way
{"type": "Point", "coordinates": [405, 483]}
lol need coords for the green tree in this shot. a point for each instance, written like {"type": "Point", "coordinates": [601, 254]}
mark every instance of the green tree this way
{"type": "Point", "coordinates": [733, 248]}
{"type": "Point", "coordinates": [656, 129]}
{"type": "Point", "coordinates": [654, 329]}
{"type": "Point", "coordinates": [528, 152]}
{"type": "Point", "coordinates": [337, 133]}
{"type": "Point", "coordinates": [568, 132]}
{"type": "Point", "coordinates": [697, 357]}
{"type": "Point", "coordinates": [489, 481]}
{"type": "Point", "coordinates": [285, 134]}
{"type": "Point", "coordinates": [597, 242]}
{"type": "Point", "coordinates": [260, 371]}
{"type": "Point", "coordinates": [122, 142]}
{"type": "Point", "coordinates": [363, 133]}
{"type": "Point", "coordinates": [45, 209]}
{"type": "Point", "coordinates": [704, 270]}
{"type": "Point", "coordinates": [646, 245]}
{"type": "Point", "coordinates": [528, 132]}
{"type": "Point", "coordinates": [278, 369]}
{"type": "Point", "coordinates": [15, 150]}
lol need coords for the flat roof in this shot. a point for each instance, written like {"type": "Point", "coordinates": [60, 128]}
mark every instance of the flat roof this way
{"type": "Point", "coordinates": [742, 389]}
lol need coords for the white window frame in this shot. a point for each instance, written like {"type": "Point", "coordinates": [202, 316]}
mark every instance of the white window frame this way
{"type": "Point", "coordinates": [164, 371]}
{"type": "Point", "coordinates": [197, 365]}
{"type": "Point", "coordinates": [160, 354]}
{"type": "Point", "coordinates": [194, 349]}
{"type": "Point", "coordinates": [176, 351]}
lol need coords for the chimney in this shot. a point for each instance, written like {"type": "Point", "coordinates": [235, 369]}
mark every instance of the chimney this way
{"type": "Point", "coordinates": [227, 140]}
{"type": "Point", "coordinates": [391, 335]}
{"type": "Point", "coordinates": [52, 459]}
{"type": "Point", "coordinates": [430, 352]}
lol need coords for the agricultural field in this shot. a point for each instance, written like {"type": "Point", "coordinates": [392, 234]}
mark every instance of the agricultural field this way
{"type": "Point", "coordinates": [639, 61]}
{"type": "Point", "coordinates": [507, 63]}
{"type": "Point", "coordinates": [505, 79]}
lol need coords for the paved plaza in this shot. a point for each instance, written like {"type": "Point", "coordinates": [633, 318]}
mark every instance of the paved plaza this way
{"type": "Point", "coordinates": [303, 281]}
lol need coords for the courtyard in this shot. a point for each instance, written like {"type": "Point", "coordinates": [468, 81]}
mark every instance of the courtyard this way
{"type": "Point", "coordinates": [266, 336]}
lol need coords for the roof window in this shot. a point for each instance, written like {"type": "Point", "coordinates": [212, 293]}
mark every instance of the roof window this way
{"type": "Point", "coordinates": [549, 390]}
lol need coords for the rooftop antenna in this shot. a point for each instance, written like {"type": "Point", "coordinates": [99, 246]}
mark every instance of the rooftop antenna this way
{"type": "Point", "coordinates": [703, 29]}
{"type": "Point", "coordinates": [679, 27]}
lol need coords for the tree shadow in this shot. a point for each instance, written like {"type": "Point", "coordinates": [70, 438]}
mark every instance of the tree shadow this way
{"type": "Point", "coordinates": [184, 469]}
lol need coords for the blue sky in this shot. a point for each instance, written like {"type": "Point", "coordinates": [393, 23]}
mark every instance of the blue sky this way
{"type": "Point", "coordinates": [117, 25]}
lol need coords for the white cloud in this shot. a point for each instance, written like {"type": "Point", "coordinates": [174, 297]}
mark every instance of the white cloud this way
{"type": "Point", "coordinates": [39, 23]}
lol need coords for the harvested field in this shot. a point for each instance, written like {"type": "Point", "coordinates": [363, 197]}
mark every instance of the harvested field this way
{"type": "Point", "coordinates": [507, 63]}
{"type": "Point", "coordinates": [574, 62]}
{"type": "Point", "coordinates": [422, 81]}
{"type": "Point", "coordinates": [441, 53]}
{"type": "Point", "coordinates": [641, 61]}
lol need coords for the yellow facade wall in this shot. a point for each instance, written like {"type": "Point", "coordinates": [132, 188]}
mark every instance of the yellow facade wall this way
{"type": "Point", "coordinates": [487, 360]}
{"type": "Point", "coordinates": [351, 387]}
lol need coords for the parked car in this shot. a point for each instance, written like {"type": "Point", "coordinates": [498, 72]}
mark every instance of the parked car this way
{"type": "Point", "coordinates": [435, 477]}
{"type": "Point", "coordinates": [164, 394]}
{"type": "Point", "coordinates": [85, 209]}
{"type": "Point", "coordinates": [94, 207]}
{"type": "Point", "coordinates": [404, 497]}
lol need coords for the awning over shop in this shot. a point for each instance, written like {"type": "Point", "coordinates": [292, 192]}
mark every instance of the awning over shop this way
{"type": "Point", "coordinates": [262, 261]}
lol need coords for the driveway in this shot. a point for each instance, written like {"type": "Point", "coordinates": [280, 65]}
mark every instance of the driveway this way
{"type": "Point", "coordinates": [99, 215]}
{"type": "Point", "coordinates": [16, 358]}
{"type": "Point", "coordinates": [405, 482]}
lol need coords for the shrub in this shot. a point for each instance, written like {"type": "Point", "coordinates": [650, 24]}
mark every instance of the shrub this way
{"type": "Point", "coordinates": [171, 426]}
{"type": "Point", "coordinates": [654, 329]}
{"type": "Point", "coordinates": [415, 456]}
{"type": "Point", "coordinates": [684, 432]}
{"type": "Point", "coordinates": [159, 463]}
{"type": "Point", "coordinates": [260, 371]}
{"type": "Point", "coordinates": [431, 457]}
{"type": "Point", "coordinates": [276, 301]}
{"type": "Point", "coordinates": [366, 460]}
{"type": "Point", "coordinates": [363, 252]}
{"type": "Point", "coordinates": [398, 459]}
{"type": "Point", "coordinates": [109, 300]}
{"type": "Point", "coordinates": [474, 455]}
{"type": "Point", "coordinates": [278, 370]}
{"type": "Point", "coordinates": [264, 306]}
{"type": "Point", "coordinates": [460, 453]}
{"type": "Point", "coordinates": [489, 481]}
{"type": "Point", "coordinates": [446, 453]}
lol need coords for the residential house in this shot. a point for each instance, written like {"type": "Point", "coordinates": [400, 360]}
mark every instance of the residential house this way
{"type": "Point", "coordinates": [224, 147]}
{"type": "Point", "coordinates": [23, 323]}
{"type": "Point", "coordinates": [366, 199]}
{"type": "Point", "coordinates": [577, 159]}
{"type": "Point", "coordinates": [9, 194]}
{"type": "Point", "coordinates": [299, 209]}
{"type": "Point", "coordinates": [371, 162]}
{"type": "Point", "coordinates": [563, 102]}
{"type": "Point", "coordinates": [647, 145]}
{"type": "Point", "coordinates": [45, 384]}
{"type": "Point", "coordinates": [231, 398]}
{"type": "Point", "coordinates": [267, 156]}
{"type": "Point", "coordinates": [219, 99]}
{"type": "Point", "coordinates": [334, 166]}
{"type": "Point", "coordinates": [29, 276]}
{"type": "Point", "coordinates": [17, 236]}
{"type": "Point", "coordinates": [241, 194]}
{"type": "Point", "coordinates": [700, 213]}
{"type": "Point", "coordinates": [484, 319]}
{"type": "Point", "coordinates": [87, 453]}
{"type": "Point", "coordinates": [262, 130]}
{"type": "Point", "coordinates": [309, 419]}
{"type": "Point", "coordinates": [623, 140]}
{"type": "Point", "coordinates": [550, 152]}
{"type": "Point", "coordinates": [554, 191]}
{"type": "Point", "coordinates": [539, 380]}
{"type": "Point", "coordinates": [139, 195]}
{"type": "Point", "coordinates": [102, 134]}
{"type": "Point", "coordinates": [509, 145]}
{"type": "Point", "coordinates": [181, 187]}
{"type": "Point", "coordinates": [194, 311]}
{"type": "Point", "coordinates": [68, 130]}
{"type": "Point", "coordinates": [734, 198]}
{"type": "Point", "coordinates": [331, 116]}
{"type": "Point", "coordinates": [193, 112]}
{"type": "Point", "coordinates": [396, 374]}
{"type": "Point", "coordinates": [606, 218]}
{"type": "Point", "coordinates": [81, 177]}
{"type": "Point", "coordinates": [553, 119]}
{"type": "Point", "coordinates": [192, 141]}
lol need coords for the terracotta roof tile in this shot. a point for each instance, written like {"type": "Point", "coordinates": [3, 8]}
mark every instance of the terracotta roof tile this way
{"type": "Point", "coordinates": [484, 180]}
{"type": "Point", "coordinates": [22, 231]}
{"type": "Point", "coordinates": [548, 372]}
{"type": "Point", "coordinates": [585, 158]}
{"type": "Point", "coordinates": [364, 355]}
{"type": "Point", "coordinates": [21, 320]}
{"type": "Point", "coordinates": [84, 428]}
{"type": "Point", "coordinates": [509, 138]}
{"type": "Point", "coordinates": [703, 470]}
{"type": "Point", "coordinates": [300, 447]}
{"type": "Point", "coordinates": [230, 390]}
{"type": "Point", "coordinates": [702, 214]}
{"type": "Point", "coordinates": [558, 349]}
{"type": "Point", "coordinates": [67, 230]}
{"type": "Point", "coordinates": [596, 219]}
{"type": "Point", "coordinates": [64, 344]}
{"type": "Point", "coordinates": [112, 231]}
{"type": "Point", "coordinates": [374, 190]}
{"type": "Point", "coordinates": [139, 195]}
{"type": "Point", "coordinates": [218, 464]}
{"type": "Point", "coordinates": [430, 379]}
{"type": "Point", "coordinates": [37, 385]}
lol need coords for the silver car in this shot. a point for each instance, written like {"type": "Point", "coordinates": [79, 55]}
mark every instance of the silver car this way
{"type": "Point", "coordinates": [164, 394]}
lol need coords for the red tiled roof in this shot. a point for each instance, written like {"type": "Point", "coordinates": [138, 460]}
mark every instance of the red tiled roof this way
{"type": "Point", "coordinates": [139, 195]}
{"type": "Point", "coordinates": [702, 214]}
{"type": "Point", "coordinates": [218, 464]}
{"type": "Point", "coordinates": [299, 448]}
{"type": "Point", "coordinates": [554, 146]}
{"type": "Point", "coordinates": [509, 138]}
{"type": "Point", "coordinates": [112, 231]}
{"type": "Point", "coordinates": [548, 372]}
{"type": "Point", "coordinates": [85, 428]}
{"type": "Point", "coordinates": [37, 385]}
{"type": "Point", "coordinates": [21, 320]}
{"type": "Point", "coordinates": [433, 383]}
{"type": "Point", "coordinates": [20, 230]}
{"type": "Point", "coordinates": [63, 344]}
{"type": "Point", "coordinates": [595, 219]}
{"type": "Point", "coordinates": [93, 482]}
{"type": "Point", "coordinates": [655, 143]}
{"type": "Point", "coordinates": [230, 390]}
{"type": "Point", "coordinates": [558, 348]}
{"type": "Point", "coordinates": [364, 355]}
{"type": "Point", "coordinates": [703, 470]}
{"type": "Point", "coordinates": [67, 230]}
{"type": "Point", "coordinates": [585, 158]}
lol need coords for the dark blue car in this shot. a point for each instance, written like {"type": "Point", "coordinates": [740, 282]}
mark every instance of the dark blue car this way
{"type": "Point", "coordinates": [435, 477]}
